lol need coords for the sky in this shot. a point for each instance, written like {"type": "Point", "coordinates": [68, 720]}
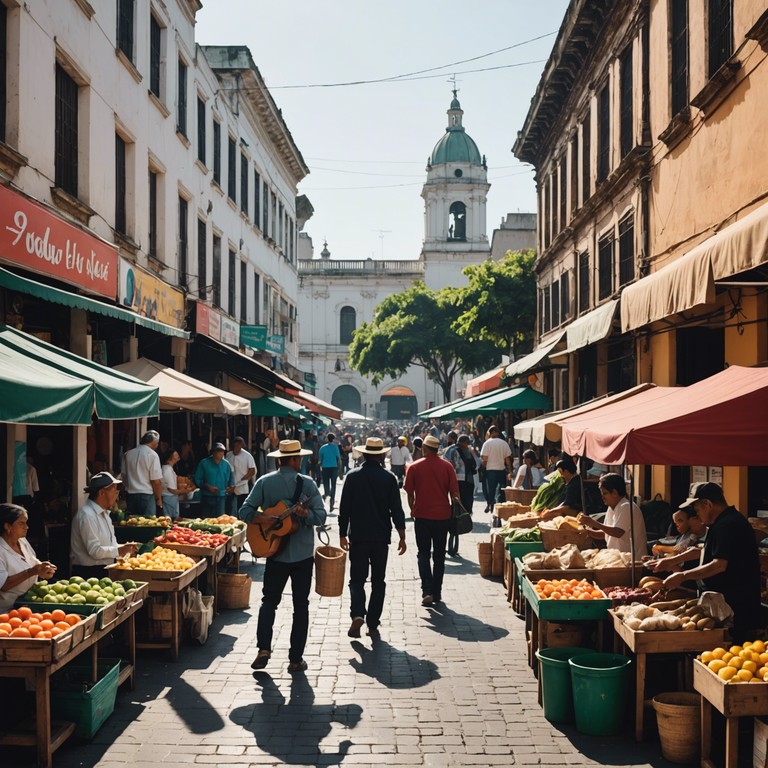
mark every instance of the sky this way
{"type": "Point", "coordinates": [367, 144]}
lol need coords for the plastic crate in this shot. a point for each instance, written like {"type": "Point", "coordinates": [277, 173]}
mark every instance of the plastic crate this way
{"type": "Point", "coordinates": [74, 697]}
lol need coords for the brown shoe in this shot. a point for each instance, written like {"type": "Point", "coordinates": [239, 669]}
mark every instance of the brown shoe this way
{"type": "Point", "coordinates": [354, 629]}
{"type": "Point", "coordinates": [262, 657]}
{"type": "Point", "coordinates": [297, 666]}
{"type": "Point", "coordinates": [427, 600]}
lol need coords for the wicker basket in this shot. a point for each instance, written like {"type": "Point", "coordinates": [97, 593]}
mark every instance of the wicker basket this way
{"type": "Point", "coordinates": [679, 721]}
{"type": "Point", "coordinates": [485, 557]}
{"type": "Point", "coordinates": [520, 495]}
{"type": "Point", "coordinates": [552, 537]}
{"type": "Point", "coordinates": [234, 590]}
{"type": "Point", "coordinates": [330, 566]}
{"type": "Point", "coordinates": [497, 555]}
{"type": "Point", "coordinates": [506, 509]}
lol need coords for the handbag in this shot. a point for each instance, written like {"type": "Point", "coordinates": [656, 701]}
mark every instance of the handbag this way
{"type": "Point", "coordinates": [461, 520]}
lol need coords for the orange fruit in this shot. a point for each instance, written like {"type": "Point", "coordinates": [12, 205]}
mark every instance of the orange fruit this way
{"type": "Point", "coordinates": [4, 618]}
{"type": "Point", "coordinates": [3, 633]}
{"type": "Point", "coordinates": [46, 615]}
{"type": "Point", "coordinates": [72, 619]}
{"type": "Point", "coordinates": [44, 635]}
{"type": "Point", "coordinates": [46, 624]}
{"type": "Point", "coordinates": [13, 614]}
{"type": "Point", "coordinates": [24, 612]}
{"type": "Point", "coordinates": [62, 625]}
{"type": "Point", "coordinates": [55, 631]}
{"type": "Point", "coordinates": [58, 615]}
{"type": "Point", "coordinates": [20, 632]}
{"type": "Point", "coordinates": [36, 617]}
{"type": "Point", "coordinates": [15, 622]}
{"type": "Point", "coordinates": [5, 627]}
{"type": "Point", "coordinates": [35, 630]}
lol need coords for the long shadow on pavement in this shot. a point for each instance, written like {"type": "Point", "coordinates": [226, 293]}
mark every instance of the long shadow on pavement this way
{"type": "Point", "coordinates": [392, 667]}
{"type": "Point", "coordinates": [467, 629]}
{"type": "Point", "coordinates": [293, 730]}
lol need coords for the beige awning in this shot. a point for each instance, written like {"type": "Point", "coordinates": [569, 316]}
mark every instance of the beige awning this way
{"type": "Point", "coordinates": [181, 392]}
{"type": "Point", "coordinates": [740, 246]}
{"type": "Point", "coordinates": [536, 360]}
{"type": "Point", "coordinates": [590, 328]}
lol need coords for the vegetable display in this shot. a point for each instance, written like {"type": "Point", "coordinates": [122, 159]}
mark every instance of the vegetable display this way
{"type": "Point", "coordinates": [204, 525]}
{"type": "Point", "coordinates": [147, 522]}
{"type": "Point", "coordinates": [628, 595]}
{"type": "Point", "coordinates": [686, 615]}
{"type": "Point", "coordinates": [549, 494]}
{"type": "Point", "coordinates": [747, 663]}
{"type": "Point", "coordinates": [530, 535]}
{"type": "Point", "coordinates": [180, 535]}
{"type": "Point", "coordinates": [159, 559]}
{"type": "Point", "coordinates": [79, 591]}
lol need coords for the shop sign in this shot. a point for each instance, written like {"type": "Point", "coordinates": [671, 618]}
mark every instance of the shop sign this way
{"type": "Point", "coordinates": [230, 332]}
{"type": "Point", "coordinates": [254, 336]}
{"type": "Point", "coordinates": [36, 239]}
{"type": "Point", "coordinates": [213, 324]}
{"type": "Point", "coordinates": [149, 296]}
{"type": "Point", "coordinates": [276, 344]}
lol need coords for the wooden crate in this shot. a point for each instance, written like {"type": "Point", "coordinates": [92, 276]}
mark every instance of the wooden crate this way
{"type": "Point", "coordinates": [663, 641]}
{"type": "Point", "coordinates": [552, 537]}
{"type": "Point", "coordinates": [730, 699]}
{"type": "Point", "coordinates": [617, 577]}
{"type": "Point", "coordinates": [23, 650]}
{"type": "Point", "coordinates": [194, 550]}
{"type": "Point", "coordinates": [564, 634]}
{"type": "Point", "coordinates": [520, 495]}
{"type": "Point", "coordinates": [565, 610]}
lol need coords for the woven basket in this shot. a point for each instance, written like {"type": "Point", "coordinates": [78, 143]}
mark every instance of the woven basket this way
{"type": "Point", "coordinates": [506, 509]}
{"type": "Point", "coordinates": [679, 721]}
{"type": "Point", "coordinates": [497, 555]}
{"type": "Point", "coordinates": [330, 566]}
{"type": "Point", "coordinates": [520, 495]}
{"type": "Point", "coordinates": [553, 537]}
{"type": "Point", "coordinates": [234, 590]}
{"type": "Point", "coordinates": [485, 557]}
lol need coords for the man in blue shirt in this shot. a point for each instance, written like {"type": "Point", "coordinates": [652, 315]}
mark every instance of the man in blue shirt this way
{"type": "Point", "coordinates": [295, 558]}
{"type": "Point", "coordinates": [215, 478]}
{"type": "Point", "coordinates": [330, 462]}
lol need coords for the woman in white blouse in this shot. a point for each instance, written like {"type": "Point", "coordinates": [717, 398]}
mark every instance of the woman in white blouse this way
{"type": "Point", "coordinates": [529, 476]}
{"type": "Point", "coordinates": [170, 484]}
{"type": "Point", "coordinates": [19, 566]}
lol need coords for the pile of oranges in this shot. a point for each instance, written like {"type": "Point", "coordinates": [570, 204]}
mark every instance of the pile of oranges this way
{"type": "Point", "coordinates": [22, 622]}
{"type": "Point", "coordinates": [566, 589]}
{"type": "Point", "coordinates": [746, 663]}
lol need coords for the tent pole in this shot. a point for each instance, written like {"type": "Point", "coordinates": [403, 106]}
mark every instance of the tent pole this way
{"type": "Point", "coordinates": [628, 472]}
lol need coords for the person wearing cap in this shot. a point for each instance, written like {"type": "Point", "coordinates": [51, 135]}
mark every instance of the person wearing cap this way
{"type": "Point", "coordinates": [215, 478]}
{"type": "Point", "coordinates": [431, 485]}
{"type": "Point", "coordinates": [143, 476]}
{"type": "Point", "coordinates": [496, 456]}
{"type": "Point", "coordinates": [244, 467]}
{"type": "Point", "coordinates": [418, 449]}
{"type": "Point", "coordinates": [295, 559]}
{"type": "Point", "coordinates": [92, 544]}
{"type": "Point", "coordinates": [330, 463]}
{"type": "Point", "coordinates": [370, 505]}
{"type": "Point", "coordinates": [398, 458]}
{"type": "Point", "coordinates": [730, 563]}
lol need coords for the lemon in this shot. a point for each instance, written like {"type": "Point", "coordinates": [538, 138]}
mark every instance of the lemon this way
{"type": "Point", "coordinates": [758, 646]}
{"type": "Point", "coordinates": [744, 675]}
{"type": "Point", "coordinates": [736, 662]}
{"type": "Point", "coordinates": [716, 665]}
{"type": "Point", "coordinates": [727, 673]}
{"type": "Point", "coordinates": [727, 656]}
{"type": "Point", "coordinates": [747, 645]}
{"type": "Point", "coordinates": [749, 666]}
{"type": "Point", "coordinates": [718, 652]}
{"type": "Point", "coordinates": [736, 649]}
{"type": "Point", "coordinates": [745, 654]}
{"type": "Point", "coordinates": [707, 656]}
{"type": "Point", "coordinates": [755, 680]}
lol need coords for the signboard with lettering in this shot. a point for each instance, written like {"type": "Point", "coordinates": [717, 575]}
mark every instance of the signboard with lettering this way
{"type": "Point", "coordinates": [230, 332]}
{"type": "Point", "coordinates": [276, 344]}
{"type": "Point", "coordinates": [34, 238]}
{"type": "Point", "coordinates": [254, 336]}
{"type": "Point", "coordinates": [149, 296]}
{"type": "Point", "coordinates": [213, 324]}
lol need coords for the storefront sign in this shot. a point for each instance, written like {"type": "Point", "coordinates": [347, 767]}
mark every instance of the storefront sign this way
{"type": "Point", "coordinates": [254, 336]}
{"type": "Point", "coordinates": [213, 324]}
{"type": "Point", "coordinates": [230, 332]}
{"type": "Point", "coordinates": [149, 296]}
{"type": "Point", "coordinates": [276, 344]}
{"type": "Point", "coordinates": [36, 239]}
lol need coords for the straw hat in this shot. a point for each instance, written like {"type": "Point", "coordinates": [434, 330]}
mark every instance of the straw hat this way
{"type": "Point", "coordinates": [432, 442]}
{"type": "Point", "coordinates": [288, 448]}
{"type": "Point", "coordinates": [374, 446]}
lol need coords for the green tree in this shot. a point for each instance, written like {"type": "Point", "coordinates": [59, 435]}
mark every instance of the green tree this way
{"type": "Point", "coordinates": [499, 303]}
{"type": "Point", "coordinates": [416, 327]}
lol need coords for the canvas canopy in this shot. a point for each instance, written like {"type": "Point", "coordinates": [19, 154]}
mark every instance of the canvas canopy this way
{"type": "Point", "coordinates": [722, 420]}
{"type": "Point", "coordinates": [511, 399]}
{"type": "Point", "coordinates": [43, 384]}
{"type": "Point", "coordinates": [181, 392]}
{"type": "Point", "coordinates": [485, 382]}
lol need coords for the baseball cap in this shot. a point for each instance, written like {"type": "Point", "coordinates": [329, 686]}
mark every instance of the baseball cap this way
{"type": "Point", "coordinates": [101, 480]}
{"type": "Point", "coordinates": [701, 491]}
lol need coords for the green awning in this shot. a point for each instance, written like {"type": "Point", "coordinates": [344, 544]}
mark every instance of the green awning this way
{"type": "Point", "coordinates": [57, 296]}
{"type": "Point", "coordinates": [432, 412]}
{"type": "Point", "coordinates": [512, 399]}
{"type": "Point", "coordinates": [43, 384]}
{"type": "Point", "coordinates": [272, 405]}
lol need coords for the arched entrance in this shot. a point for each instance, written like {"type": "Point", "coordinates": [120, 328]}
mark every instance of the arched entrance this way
{"type": "Point", "coordinates": [347, 398]}
{"type": "Point", "coordinates": [400, 403]}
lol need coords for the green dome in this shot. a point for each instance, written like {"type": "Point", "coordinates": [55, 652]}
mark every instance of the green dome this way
{"type": "Point", "coordinates": [456, 146]}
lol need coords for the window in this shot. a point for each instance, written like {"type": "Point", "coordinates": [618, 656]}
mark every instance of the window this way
{"type": "Point", "coordinates": [201, 130]}
{"type": "Point", "coordinates": [181, 110]}
{"type": "Point", "coordinates": [273, 199]}
{"type": "Point", "coordinates": [563, 191]}
{"type": "Point", "coordinates": [575, 173]}
{"type": "Point", "coordinates": [547, 315]}
{"type": "Point", "coordinates": [720, 29]}
{"type": "Point", "coordinates": [603, 134]}
{"type": "Point", "coordinates": [586, 170]}
{"type": "Point", "coordinates": [626, 117]}
{"type": "Point", "coordinates": [547, 222]}
{"type": "Point", "coordinates": [66, 132]}
{"type": "Point", "coordinates": [541, 311]}
{"type": "Point", "coordinates": [347, 324]}
{"type": "Point", "coordinates": [256, 299]}
{"type": "Point", "coordinates": [678, 33]}
{"type": "Point", "coordinates": [3, 66]}
{"type": "Point", "coordinates": [232, 282]}
{"type": "Point", "coordinates": [125, 27]}
{"type": "Point", "coordinates": [256, 199]}
{"type": "Point", "coordinates": [232, 170]}
{"type": "Point", "coordinates": [244, 184]}
{"type": "Point", "coordinates": [605, 266]}
{"type": "Point", "coordinates": [620, 374]}
{"type": "Point", "coordinates": [292, 243]}
{"type": "Point", "coordinates": [565, 298]}
{"type": "Point", "coordinates": [217, 152]}
{"type": "Point", "coordinates": [202, 260]}
{"type": "Point", "coordinates": [183, 241]}
{"type": "Point", "coordinates": [243, 292]}
{"type": "Point", "coordinates": [265, 227]}
{"type": "Point", "coordinates": [555, 291]}
{"type": "Point", "coordinates": [120, 186]}
{"type": "Point", "coordinates": [152, 249]}
{"type": "Point", "coordinates": [155, 54]}
{"type": "Point", "coordinates": [216, 271]}
{"type": "Point", "coordinates": [627, 249]}
{"type": "Point", "coordinates": [583, 281]}
{"type": "Point", "coordinates": [279, 237]}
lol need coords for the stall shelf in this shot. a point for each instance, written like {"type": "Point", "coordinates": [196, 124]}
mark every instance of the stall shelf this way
{"type": "Point", "coordinates": [212, 555]}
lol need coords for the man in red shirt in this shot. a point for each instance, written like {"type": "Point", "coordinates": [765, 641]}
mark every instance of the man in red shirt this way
{"type": "Point", "coordinates": [431, 485]}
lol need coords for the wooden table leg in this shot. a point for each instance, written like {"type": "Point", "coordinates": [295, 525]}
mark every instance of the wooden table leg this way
{"type": "Point", "coordinates": [175, 626]}
{"type": "Point", "coordinates": [130, 628]}
{"type": "Point", "coordinates": [43, 718]}
{"type": "Point", "coordinates": [94, 663]}
{"type": "Point", "coordinates": [706, 732]}
{"type": "Point", "coordinates": [640, 661]}
{"type": "Point", "coordinates": [731, 742]}
{"type": "Point", "coordinates": [534, 639]}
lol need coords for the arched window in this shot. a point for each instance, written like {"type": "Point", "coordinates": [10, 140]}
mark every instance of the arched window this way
{"type": "Point", "coordinates": [347, 398]}
{"type": "Point", "coordinates": [457, 221]}
{"type": "Point", "coordinates": [347, 324]}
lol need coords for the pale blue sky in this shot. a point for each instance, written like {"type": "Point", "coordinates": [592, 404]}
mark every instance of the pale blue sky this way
{"type": "Point", "coordinates": [367, 145]}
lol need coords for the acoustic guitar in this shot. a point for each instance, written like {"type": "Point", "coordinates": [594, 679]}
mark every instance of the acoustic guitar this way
{"type": "Point", "coordinates": [268, 532]}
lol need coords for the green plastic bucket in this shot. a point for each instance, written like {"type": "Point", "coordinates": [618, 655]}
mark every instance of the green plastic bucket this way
{"type": "Point", "coordinates": [599, 682]}
{"type": "Point", "coordinates": [555, 676]}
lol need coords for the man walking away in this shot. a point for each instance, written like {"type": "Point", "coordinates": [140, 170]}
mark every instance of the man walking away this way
{"type": "Point", "coordinates": [399, 457]}
{"type": "Point", "coordinates": [143, 475]}
{"type": "Point", "coordinates": [244, 466]}
{"type": "Point", "coordinates": [463, 463]}
{"type": "Point", "coordinates": [295, 559]}
{"type": "Point", "coordinates": [370, 505]}
{"type": "Point", "coordinates": [431, 485]}
{"type": "Point", "coordinates": [330, 461]}
{"type": "Point", "coordinates": [497, 460]}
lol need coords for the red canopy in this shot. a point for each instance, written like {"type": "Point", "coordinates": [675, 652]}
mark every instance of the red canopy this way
{"type": "Point", "coordinates": [722, 420]}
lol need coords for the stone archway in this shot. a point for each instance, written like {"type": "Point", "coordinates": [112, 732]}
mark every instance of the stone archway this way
{"type": "Point", "coordinates": [347, 398]}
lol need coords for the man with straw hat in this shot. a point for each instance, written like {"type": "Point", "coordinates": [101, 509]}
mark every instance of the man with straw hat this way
{"type": "Point", "coordinates": [370, 505]}
{"type": "Point", "coordinates": [295, 559]}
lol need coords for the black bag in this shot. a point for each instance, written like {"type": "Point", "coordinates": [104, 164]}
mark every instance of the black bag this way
{"type": "Point", "coordinates": [657, 514]}
{"type": "Point", "coordinates": [461, 520]}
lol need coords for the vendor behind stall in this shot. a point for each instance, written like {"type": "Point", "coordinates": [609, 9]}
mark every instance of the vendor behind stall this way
{"type": "Point", "coordinates": [571, 503]}
{"type": "Point", "coordinates": [730, 562]}
{"type": "Point", "coordinates": [689, 528]}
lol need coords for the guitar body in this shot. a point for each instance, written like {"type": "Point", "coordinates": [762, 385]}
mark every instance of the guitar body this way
{"type": "Point", "coordinates": [267, 533]}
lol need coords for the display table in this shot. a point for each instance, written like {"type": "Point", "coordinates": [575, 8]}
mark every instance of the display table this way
{"type": "Point", "coordinates": [212, 555]}
{"type": "Point", "coordinates": [236, 544]}
{"type": "Point", "coordinates": [644, 643]}
{"type": "Point", "coordinates": [44, 734]}
{"type": "Point", "coordinates": [732, 700]}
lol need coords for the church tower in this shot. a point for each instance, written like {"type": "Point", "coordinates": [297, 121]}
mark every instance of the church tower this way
{"type": "Point", "coordinates": [454, 205]}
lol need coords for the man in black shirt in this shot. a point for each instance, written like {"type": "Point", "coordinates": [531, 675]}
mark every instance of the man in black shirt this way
{"type": "Point", "coordinates": [370, 504]}
{"type": "Point", "coordinates": [730, 563]}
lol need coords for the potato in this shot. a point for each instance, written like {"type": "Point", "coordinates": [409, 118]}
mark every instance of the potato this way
{"type": "Point", "coordinates": [705, 623]}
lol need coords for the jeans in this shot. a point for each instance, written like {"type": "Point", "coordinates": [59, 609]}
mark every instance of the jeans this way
{"type": "Point", "coordinates": [214, 506]}
{"type": "Point", "coordinates": [496, 479]}
{"type": "Point", "coordinates": [398, 470]}
{"type": "Point", "coordinates": [141, 504]}
{"type": "Point", "coordinates": [467, 494]}
{"type": "Point", "coordinates": [361, 555]}
{"type": "Point", "coordinates": [234, 502]}
{"type": "Point", "coordinates": [431, 537]}
{"type": "Point", "coordinates": [329, 482]}
{"type": "Point", "coordinates": [276, 575]}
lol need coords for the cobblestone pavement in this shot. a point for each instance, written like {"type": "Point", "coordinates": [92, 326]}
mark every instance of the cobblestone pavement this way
{"type": "Point", "coordinates": [444, 686]}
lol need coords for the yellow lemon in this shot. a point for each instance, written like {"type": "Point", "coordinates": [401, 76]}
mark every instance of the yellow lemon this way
{"type": "Point", "coordinates": [718, 652]}
{"type": "Point", "coordinates": [754, 656]}
{"type": "Point", "coordinates": [716, 665]}
{"type": "Point", "coordinates": [744, 675]}
{"type": "Point", "coordinates": [750, 666]}
{"type": "Point", "coordinates": [736, 649]}
{"type": "Point", "coordinates": [727, 656]}
{"type": "Point", "coordinates": [756, 680]}
{"type": "Point", "coordinates": [758, 646]}
{"type": "Point", "coordinates": [707, 656]}
{"type": "Point", "coordinates": [727, 673]}
{"type": "Point", "coordinates": [736, 662]}
{"type": "Point", "coordinates": [747, 645]}
{"type": "Point", "coordinates": [745, 654]}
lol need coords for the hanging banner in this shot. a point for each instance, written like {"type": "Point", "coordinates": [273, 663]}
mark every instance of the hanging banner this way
{"type": "Point", "coordinates": [214, 325]}
{"type": "Point", "coordinates": [276, 344]}
{"type": "Point", "coordinates": [254, 336]}
{"type": "Point", "coordinates": [149, 296]}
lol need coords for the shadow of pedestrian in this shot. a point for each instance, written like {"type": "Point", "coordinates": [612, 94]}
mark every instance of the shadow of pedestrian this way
{"type": "Point", "coordinates": [466, 628]}
{"type": "Point", "coordinates": [197, 713]}
{"type": "Point", "coordinates": [392, 667]}
{"type": "Point", "coordinates": [293, 730]}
